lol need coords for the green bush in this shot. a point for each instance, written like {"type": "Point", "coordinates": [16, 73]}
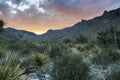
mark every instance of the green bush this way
{"type": "Point", "coordinates": [96, 49]}
{"type": "Point", "coordinates": [23, 47]}
{"type": "Point", "coordinates": [81, 39]}
{"type": "Point", "coordinates": [107, 56]}
{"type": "Point", "coordinates": [70, 67]}
{"type": "Point", "coordinates": [42, 48]}
{"type": "Point", "coordinates": [80, 47]}
{"type": "Point", "coordinates": [115, 75]}
{"type": "Point", "coordinates": [2, 52]}
{"type": "Point", "coordinates": [56, 50]}
{"type": "Point", "coordinates": [67, 40]}
{"type": "Point", "coordinates": [109, 37]}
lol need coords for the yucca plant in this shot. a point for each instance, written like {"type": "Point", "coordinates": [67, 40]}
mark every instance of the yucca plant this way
{"type": "Point", "coordinates": [80, 47]}
{"type": "Point", "coordinates": [96, 50]}
{"type": "Point", "coordinates": [38, 61]}
{"type": "Point", "coordinates": [10, 67]}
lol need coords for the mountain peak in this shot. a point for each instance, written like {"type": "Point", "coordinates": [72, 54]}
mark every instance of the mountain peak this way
{"type": "Point", "coordinates": [87, 27]}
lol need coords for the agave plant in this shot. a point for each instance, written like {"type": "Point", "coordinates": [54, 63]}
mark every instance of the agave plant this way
{"type": "Point", "coordinates": [10, 67]}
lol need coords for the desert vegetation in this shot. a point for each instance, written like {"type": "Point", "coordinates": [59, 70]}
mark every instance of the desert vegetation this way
{"type": "Point", "coordinates": [63, 60]}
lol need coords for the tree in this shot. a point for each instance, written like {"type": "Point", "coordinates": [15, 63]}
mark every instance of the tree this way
{"type": "Point", "coordinates": [1, 25]}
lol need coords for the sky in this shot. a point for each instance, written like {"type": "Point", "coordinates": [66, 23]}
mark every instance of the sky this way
{"type": "Point", "coordinates": [39, 16]}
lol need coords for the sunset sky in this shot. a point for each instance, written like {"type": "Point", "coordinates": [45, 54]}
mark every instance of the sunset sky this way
{"type": "Point", "coordinates": [38, 16]}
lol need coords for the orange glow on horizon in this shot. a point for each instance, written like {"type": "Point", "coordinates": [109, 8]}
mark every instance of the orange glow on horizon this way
{"type": "Point", "coordinates": [39, 16]}
{"type": "Point", "coordinates": [40, 28]}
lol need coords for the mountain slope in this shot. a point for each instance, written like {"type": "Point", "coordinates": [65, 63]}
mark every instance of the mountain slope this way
{"type": "Point", "coordinates": [22, 34]}
{"type": "Point", "coordinates": [5, 36]}
{"type": "Point", "coordinates": [87, 27]}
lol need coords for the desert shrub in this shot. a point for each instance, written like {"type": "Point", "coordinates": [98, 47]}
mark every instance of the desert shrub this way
{"type": "Point", "coordinates": [38, 59]}
{"type": "Point", "coordinates": [15, 46]}
{"type": "Point", "coordinates": [109, 37]}
{"type": "Point", "coordinates": [25, 51]}
{"type": "Point", "coordinates": [81, 39]}
{"type": "Point", "coordinates": [42, 48]}
{"type": "Point", "coordinates": [107, 56]}
{"type": "Point", "coordinates": [115, 75]}
{"type": "Point", "coordinates": [10, 69]}
{"type": "Point", "coordinates": [70, 67]}
{"type": "Point", "coordinates": [23, 47]}
{"type": "Point", "coordinates": [96, 49]}
{"type": "Point", "coordinates": [67, 40]}
{"type": "Point", "coordinates": [56, 50]}
{"type": "Point", "coordinates": [80, 47]}
{"type": "Point", "coordinates": [2, 52]}
{"type": "Point", "coordinates": [71, 45]}
{"type": "Point", "coordinates": [90, 45]}
{"type": "Point", "coordinates": [4, 44]}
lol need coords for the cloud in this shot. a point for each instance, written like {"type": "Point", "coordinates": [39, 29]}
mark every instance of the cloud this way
{"type": "Point", "coordinates": [41, 15]}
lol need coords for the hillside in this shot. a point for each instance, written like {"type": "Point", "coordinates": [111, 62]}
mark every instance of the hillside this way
{"type": "Point", "coordinates": [22, 34]}
{"type": "Point", "coordinates": [87, 27]}
{"type": "Point", "coordinates": [6, 36]}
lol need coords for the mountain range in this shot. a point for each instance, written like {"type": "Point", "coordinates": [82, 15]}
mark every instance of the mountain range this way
{"type": "Point", "coordinates": [89, 28]}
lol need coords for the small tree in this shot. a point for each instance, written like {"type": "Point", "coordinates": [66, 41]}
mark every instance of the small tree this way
{"type": "Point", "coordinates": [1, 25]}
